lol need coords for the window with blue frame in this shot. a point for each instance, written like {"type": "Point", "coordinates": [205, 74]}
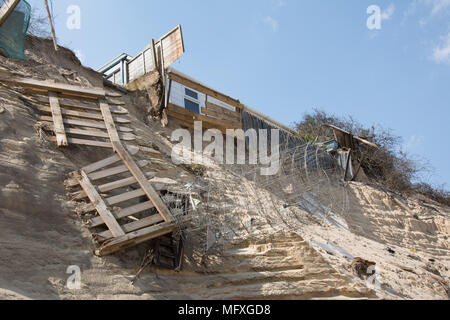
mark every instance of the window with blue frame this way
{"type": "Point", "coordinates": [191, 106]}
{"type": "Point", "coordinates": [191, 93]}
{"type": "Point", "coordinates": [191, 101]}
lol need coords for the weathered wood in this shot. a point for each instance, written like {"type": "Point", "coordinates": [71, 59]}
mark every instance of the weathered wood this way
{"type": "Point", "coordinates": [83, 142]}
{"type": "Point", "coordinates": [355, 137]}
{"type": "Point", "coordinates": [130, 227]}
{"type": "Point", "coordinates": [214, 107]}
{"type": "Point", "coordinates": [114, 171]}
{"type": "Point", "coordinates": [210, 92]}
{"type": "Point", "coordinates": [111, 186]}
{"type": "Point", "coordinates": [134, 238]}
{"type": "Point", "coordinates": [100, 205]}
{"type": "Point", "coordinates": [82, 105]}
{"type": "Point", "coordinates": [52, 28]}
{"type": "Point", "coordinates": [134, 169]}
{"type": "Point", "coordinates": [53, 86]}
{"type": "Point", "coordinates": [123, 213]}
{"type": "Point", "coordinates": [86, 123]}
{"type": "Point", "coordinates": [235, 119]}
{"type": "Point", "coordinates": [71, 180]}
{"type": "Point", "coordinates": [6, 9]}
{"type": "Point", "coordinates": [84, 115]}
{"type": "Point", "coordinates": [91, 133]}
{"type": "Point", "coordinates": [56, 112]}
{"type": "Point", "coordinates": [99, 134]}
{"type": "Point", "coordinates": [186, 115]}
{"type": "Point", "coordinates": [109, 161]}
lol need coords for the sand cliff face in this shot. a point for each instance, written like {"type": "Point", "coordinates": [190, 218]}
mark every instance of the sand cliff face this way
{"type": "Point", "coordinates": [258, 252]}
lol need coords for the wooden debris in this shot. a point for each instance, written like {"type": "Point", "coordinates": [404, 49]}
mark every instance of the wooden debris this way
{"type": "Point", "coordinates": [100, 205]}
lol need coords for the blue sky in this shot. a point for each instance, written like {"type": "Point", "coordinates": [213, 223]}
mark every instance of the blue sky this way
{"type": "Point", "coordinates": [286, 57]}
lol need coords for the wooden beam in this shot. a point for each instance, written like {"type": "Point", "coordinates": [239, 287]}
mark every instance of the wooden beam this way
{"type": "Point", "coordinates": [84, 115]}
{"type": "Point", "coordinates": [6, 10]}
{"type": "Point", "coordinates": [58, 123]}
{"type": "Point", "coordinates": [210, 92]}
{"type": "Point", "coordinates": [355, 137]}
{"type": "Point", "coordinates": [86, 123]}
{"type": "Point", "coordinates": [235, 119]}
{"type": "Point", "coordinates": [100, 205]}
{"type": "Point", "coordinates": [108, 161]}
{"type": "Point", "coordinates": [134, 238]}
{"type": "Point", "coordinates": [111, 186]}
{"type": "Point", "coordinates": [114, 171]}
{"type": "Point", "coordinates": [53, 86]}
{"type": "Point", "coordinates": [99, 134]}
{"type": "Point", "coordinates": [123, 213]}
{"type": "Point", "coordinates": [134, 169]}
{"type": "Point", "coordinates": [52, 28]}
{"type": "Point", "coordinates": [73, 104]}
{"type": "Point", "coordinates": [130, 227]}
{"type": "Point", "coordinates": [173, 110]}
{"type": "Point", "coordinates": [83, 142]}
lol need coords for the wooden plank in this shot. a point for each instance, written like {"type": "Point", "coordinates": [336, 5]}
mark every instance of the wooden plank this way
{"type": "Point", "coordinates": [210, 92]}
{"type": "Point", "coordinates": [114, 171]}
{"type": "Point", "coordinates": [84, 115]}
{"type": "Point", "coordinates": [6, 9]}
{"type": "Point", "coordinates": [83, 142]}
{"type": "Point", "coordinates": [109, 161]}
{"type": "Point", "coordinates": [100, 205]}
{"type": "Point", "coordinates": [53, 86]}
{"type": "Point", "coordinates": [130, 195]}
{"type": "Point", "coordinates": [111, 186]}
{"type": "Point", "coordinates": [134, 238]}
{"type": "Point", "coordinates": [86, 123]}
{"type": "Point", "coordinates": [99, 134]}
{"type": "Point", "coordinates": [92, 133]}
{"type": "Point", "coordinates": [219, 109]}
{"type": "Point", "coordinates": [71, 180]}
{"type": "Point", "coordinates": [132, 166]}
{"type": "Point", "coordinates": [130, 227]}
{"type": "Point", "coordinates": [58, 124]}
{"type": "Point", "coordinates": [176, 111]}
{"type": "Point", "coordinates": [235, 119]}
{"type": "Point", "coordinates": [123, 213]}
{"type": "Point", "coordinates": [69, 102]}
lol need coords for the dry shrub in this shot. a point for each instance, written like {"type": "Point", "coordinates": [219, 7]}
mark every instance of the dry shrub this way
{"type": "Point", "coordinates": [388, 165]}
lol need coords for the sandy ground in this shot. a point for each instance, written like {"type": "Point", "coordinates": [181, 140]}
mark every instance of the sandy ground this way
{"type": "Point", "coordinates": [259, 253]}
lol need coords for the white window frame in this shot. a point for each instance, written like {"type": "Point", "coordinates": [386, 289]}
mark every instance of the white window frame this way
{"type": "Point", "coordinates": [197, 101]}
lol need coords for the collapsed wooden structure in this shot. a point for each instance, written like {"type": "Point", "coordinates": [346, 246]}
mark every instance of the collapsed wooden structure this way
{"type": "Point", "coordinates": [73, 111]}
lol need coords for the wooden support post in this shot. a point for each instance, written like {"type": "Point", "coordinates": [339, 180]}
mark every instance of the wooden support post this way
{"type": "Point", "coordinates": [347, 164]}
{"type": "Point", "coordinates": [58, 122]}
{"type": "Point", "coordinates": [100, 205]}
{"type": "Point", "coordinates": [51, 25]}
{"type": "Point", "coordinates": [6, 10]}
{"type": "Point", "coordinates": [131, 164]}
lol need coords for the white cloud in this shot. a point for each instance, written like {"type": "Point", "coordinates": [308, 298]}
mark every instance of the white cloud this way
{"type": "Point", "coordinates": [441, 53]}
{"type": "Point", "coordinates": [439, 5]}
{"type": "Point", "coordinates": [388, 13]}
{"type": "Point", "coordinates": [271, 22]}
